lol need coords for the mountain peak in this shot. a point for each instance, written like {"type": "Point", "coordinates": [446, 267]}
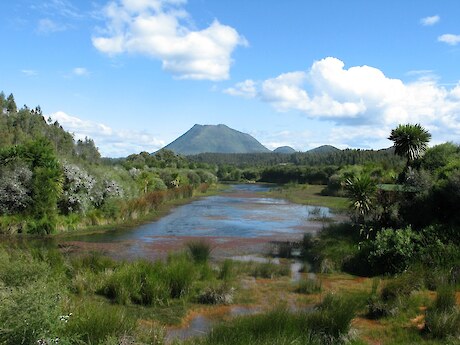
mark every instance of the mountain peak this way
{"type": "Point", "coordinates": [215, 138]}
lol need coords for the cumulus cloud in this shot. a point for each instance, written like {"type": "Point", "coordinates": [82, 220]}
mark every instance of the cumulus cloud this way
{"type": "Point", "coordinates": [429, 21]}
{"type": "Point", "coordinates": [450, 39]}
{"type": "Point", "coordinates": [362, 100]}
{"type": "Point", "coordinates": [245, 89]}
{"type": "Point", "coordinates": [111, 143]}
{"type": "Point", "coordinates": [158, 29]}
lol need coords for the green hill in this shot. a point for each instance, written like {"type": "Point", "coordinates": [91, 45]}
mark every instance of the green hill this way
{"type": "Point", "coordinates": [324, 149]}
{"type": "Point", "coordinates": [216, 139]}
{"type": "Point", "coordinates": [284, 149]}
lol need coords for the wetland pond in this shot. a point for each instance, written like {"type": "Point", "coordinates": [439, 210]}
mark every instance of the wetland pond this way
{"type": "Point", "coordinates": [239, 221]}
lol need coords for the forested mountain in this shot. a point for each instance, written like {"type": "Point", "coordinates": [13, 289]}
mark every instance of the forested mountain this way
{"type": "Point", "coordinates": [215, 138]}
{"type": "Point", "coordinates": [284, 149]}
{"type": "Point", "coordinates": [324, 149]}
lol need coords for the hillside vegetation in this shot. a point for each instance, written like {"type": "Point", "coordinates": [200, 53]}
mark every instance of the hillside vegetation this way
{"type": "Point", "coordinates": [49, 181]}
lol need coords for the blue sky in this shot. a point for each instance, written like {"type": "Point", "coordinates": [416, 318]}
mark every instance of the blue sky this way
{"type": "Point", "coordinates": [136, 74]}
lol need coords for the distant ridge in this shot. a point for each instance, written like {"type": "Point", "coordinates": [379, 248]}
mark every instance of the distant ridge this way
{"type": "Point", "coordinates": [284, 149]}
{"type": "Point", "coordinates": [215, 139]}
{"type": "Point", "coordinates": [324, 149]}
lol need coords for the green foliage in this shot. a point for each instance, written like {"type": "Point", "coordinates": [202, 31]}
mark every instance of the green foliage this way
{"type": "Point", "coordinates": [308, 286]}
{"type": "Point", "coordinates": [393, 250]}
{"type": "Point", "coordinates": [140, 282]}
{"type": "Point", "coordinates": [227, 270]}
{"type": "Point", "coordinates": [361, 191]}
{"type": "Point", "coordinates": [30, 295]}
{"type": "Point", "coordinates": [442, 319]}
{"type": "Point", "coordinates": [267, 270]}
{"type": "Point", "coordinates": [200, 250]}
{"type": "Point", "coordinates": [95, 322]}
{"type": "Point", "coordinates": [333, 317]}
{"type": "Point", "coordinates": [410, 141]}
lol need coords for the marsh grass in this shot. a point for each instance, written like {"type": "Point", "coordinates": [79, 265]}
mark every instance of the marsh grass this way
{"type": "Point", "coordinates": [94, 322]}
{"type": "Point", "coordinates": [329, 324]}
{"type": "Point", "coordinates": [200, 250]}
{"type": "Point", "coordinates": [268, 270]}
{"type": "Point", "coordinates": [30, 297]}
{"type": "Point", "coordinates": [308, 286]}
{"type": "Point", "coordinates": [227, 270]}
{"type": "Point", "coordinates": [442, 319]}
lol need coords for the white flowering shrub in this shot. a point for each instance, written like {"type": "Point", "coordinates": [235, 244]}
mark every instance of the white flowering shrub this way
{"type": "Point", "coordinates": [15, 188]}
{"type": "Point", "coordinates": [78, 190]}
{"type": "Point", "coordinates": [81, 191]}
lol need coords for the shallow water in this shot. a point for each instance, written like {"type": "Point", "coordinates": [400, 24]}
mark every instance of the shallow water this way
{"type": "Point", "coordinates": [240, 212]}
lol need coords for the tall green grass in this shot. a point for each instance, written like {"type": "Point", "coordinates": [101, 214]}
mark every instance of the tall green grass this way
{"type": "Point", "coordinates": [200, 250]}
{"type": "Point", "coordinates": [329, 324]}
{"type": "Point", "coordinates": [442, 319]}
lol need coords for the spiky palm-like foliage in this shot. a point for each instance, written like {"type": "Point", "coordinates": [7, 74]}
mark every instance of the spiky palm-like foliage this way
{"type": "Point", "coordinates": [410, 141]}
{"type": "Point", "coordinates": [361, 191]}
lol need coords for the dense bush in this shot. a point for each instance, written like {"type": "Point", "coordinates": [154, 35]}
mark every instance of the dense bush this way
{"type": "Point", "coordinates": [393, 250]}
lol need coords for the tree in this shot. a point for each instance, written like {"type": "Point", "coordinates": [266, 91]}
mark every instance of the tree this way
{"type": "Point", "coordinates": [361, 191]}
{"type": "Point", "coordinates": [410, 141]}
{"type": "Point", "coordinates": [11, 104]}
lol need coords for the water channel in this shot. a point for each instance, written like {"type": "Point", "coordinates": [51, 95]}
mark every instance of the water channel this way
{"type": "Point", "coordinates": [241, 216]}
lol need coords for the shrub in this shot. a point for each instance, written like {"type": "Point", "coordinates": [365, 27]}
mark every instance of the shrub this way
{"type": "Point", "coordinates": [200, 250]}
{"type": "Point", "coordinates": [393, 250]}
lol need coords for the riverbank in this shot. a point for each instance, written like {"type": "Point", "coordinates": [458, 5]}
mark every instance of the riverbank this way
{"type": "Point", "coordinates": [155, 214]}
{"type": "Point", "coordinates": [239, 221]}
{"type": "Point", "coordinates": [306, 194]}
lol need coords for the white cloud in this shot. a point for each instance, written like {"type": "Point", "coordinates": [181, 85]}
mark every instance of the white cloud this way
{"type": "Point", "coordinates": [111, 143]}
{"type": "Point", "coordinates": [80, 71]}
{"type": "Point", "coordinates": [47, 26]}
{"type": "Point", "coordinates": [450, 39]}
{"type": "Point", "coordinates": [245, 89]}
{"type": "Point", "coordinates": [156, 28]}
{"type": "Point", "coordinates": [29, 72]}
{"type": "Point", "coordinates": [362, 101]}
{"type": "Point", "coordinates": [429, 21]}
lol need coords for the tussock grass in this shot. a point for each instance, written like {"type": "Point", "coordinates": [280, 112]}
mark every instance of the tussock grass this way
{"type": "Point", "coordinates": [95, 322]}
{"type": "Point", "coordinates": [200, 250]}
{"type": "Point", "coordinates": [308, 286]}
{"type": "Point", "coordinates": [442, 319]}
{"type": "Point", "coordinates": [329, 324]}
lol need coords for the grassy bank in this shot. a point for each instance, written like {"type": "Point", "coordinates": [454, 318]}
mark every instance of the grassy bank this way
{"type": "Point", "coordinates": [306, 194]}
